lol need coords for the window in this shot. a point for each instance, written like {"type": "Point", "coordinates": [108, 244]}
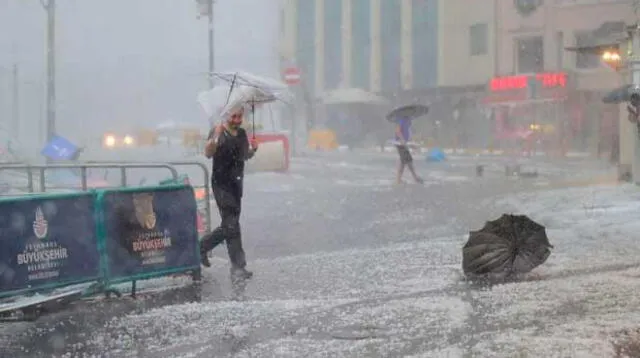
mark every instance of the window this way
{"type": "Point", "coordinates": [530, 54]}
{"type": "Point", "coordinates": [478, 39]}
{"type": "Point", "coordinates": [586, 60]}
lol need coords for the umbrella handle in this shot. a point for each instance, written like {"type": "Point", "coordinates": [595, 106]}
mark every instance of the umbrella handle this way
{"type": "Point", "coordinates": [233, 83]}
{"type": "Point", "coordinates": [253, 120]}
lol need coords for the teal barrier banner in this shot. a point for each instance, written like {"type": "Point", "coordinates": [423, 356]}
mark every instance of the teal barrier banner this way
{"type": "Point", "coordinates": [148, 232]}
{"type": "Point", "coordinates": [47, 242]}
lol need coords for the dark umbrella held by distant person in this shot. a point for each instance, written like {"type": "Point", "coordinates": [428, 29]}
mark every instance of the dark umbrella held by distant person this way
{"type": "Point", "coordinates": [412, 111]}
{"type": "Point", "coordinates": [618, 95]}
{"type": "Point", "coordinates": [510, 245]}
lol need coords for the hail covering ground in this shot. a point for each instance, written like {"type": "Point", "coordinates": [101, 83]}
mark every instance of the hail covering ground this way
{"type": "Point", "coordinates": [349, 265]}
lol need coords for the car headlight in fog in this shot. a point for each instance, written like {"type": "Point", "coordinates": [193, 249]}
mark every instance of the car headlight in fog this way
{"type": "Point", "coordinates": [109, 141]}
{"type": "Point", "coordinates": [128, 140]}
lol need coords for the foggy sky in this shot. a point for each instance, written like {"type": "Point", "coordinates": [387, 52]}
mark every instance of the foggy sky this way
{"type": "Point", "coordinates": [123, 63]}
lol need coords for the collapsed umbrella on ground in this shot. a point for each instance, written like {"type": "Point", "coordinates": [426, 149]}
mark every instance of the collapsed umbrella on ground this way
{"type": "Point", "coordinates": [412, 111]}
{"type": "Point", "coordinates": [512, 244]}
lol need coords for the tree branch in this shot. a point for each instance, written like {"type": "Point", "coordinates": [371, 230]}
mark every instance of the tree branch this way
{"type": "Point", "coordinates": [45, 4]}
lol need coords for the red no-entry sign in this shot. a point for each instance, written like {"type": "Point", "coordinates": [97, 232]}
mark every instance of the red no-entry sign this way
{"type": "Point", "coordinates": [291, 75]}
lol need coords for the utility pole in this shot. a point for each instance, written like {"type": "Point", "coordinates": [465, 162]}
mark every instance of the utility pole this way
{"type": "Point", "coordinates": [50, 7]}
{"type": "Point", "coordinates": [211, 41]}
{"type": "Point", "coordinates": [205, 8]}
{"type": "Point", "coordinates": [15, 130]}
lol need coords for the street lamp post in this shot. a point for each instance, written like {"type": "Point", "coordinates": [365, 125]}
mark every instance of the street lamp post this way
{"type": "Point", "coordinates": [50, 7]}
{"type": "Point", "coordinates": [205, 8]}
{"type": "Point", "coordinates": [14, 124]}
{"type": "Point", "coordinates": [211, 41]}
{"type": "Point", "coordinates": [16, 102]}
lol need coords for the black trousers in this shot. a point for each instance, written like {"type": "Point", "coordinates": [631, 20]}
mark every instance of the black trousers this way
{"type": "Point", "coordinates": [405, 154]}
{"type": "Point", "coordinates": [229, 202]}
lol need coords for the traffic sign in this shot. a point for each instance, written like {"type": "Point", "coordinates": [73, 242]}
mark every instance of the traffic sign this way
{"type": "Point", "coordinates": [60, 148]}
{"type": "Point", "coordinates": [291, 75]}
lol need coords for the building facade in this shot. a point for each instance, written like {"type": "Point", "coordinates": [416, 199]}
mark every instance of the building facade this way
{"type": "Point", "coordinates": [384, 46]}
{"type": "Point", "coordinates": [496, 69]}
{"type": "Point", "coordinates": [405, 50]}
{"type": "Point", "coordinates": [539, 83]}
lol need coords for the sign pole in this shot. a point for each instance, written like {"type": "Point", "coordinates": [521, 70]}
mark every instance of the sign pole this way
{"type": "Point", "coordinates": [210, 25]}
{"type": "Point", "coordinates": [51, 69]}
{"type": "Point", "coordinates": [634, 64]}
{"type": "Point", "coordinates": [291, 76]}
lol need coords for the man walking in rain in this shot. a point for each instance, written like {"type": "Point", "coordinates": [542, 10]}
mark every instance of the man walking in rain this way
{"type": "Point", "coordinates": [229, 146]}
{"type": "Point", "coordinates": [403, 134]}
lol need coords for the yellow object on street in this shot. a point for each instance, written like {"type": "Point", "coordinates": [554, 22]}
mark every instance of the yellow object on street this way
{"type": "Point", "coordinates": [324, 139]}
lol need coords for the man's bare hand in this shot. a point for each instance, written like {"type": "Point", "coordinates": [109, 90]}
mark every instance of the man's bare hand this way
{"type": "Point", "coordinates": [218, 130]}
{"type": "Point", "coordinates": [254, 143]}
{"type": "Point", "coordinates": [212, 143]}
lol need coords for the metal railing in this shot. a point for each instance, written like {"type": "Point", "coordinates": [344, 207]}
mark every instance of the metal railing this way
{"type": "Point", "coordinates": [206, 186]}
{"type": "Point", "coordinates": [42, 170]}
{"type": "Point", "coordinates": [206, 182]}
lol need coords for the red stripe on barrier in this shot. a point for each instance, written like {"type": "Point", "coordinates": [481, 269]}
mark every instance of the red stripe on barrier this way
{"type": "Point", "coordinates": [265, 137]}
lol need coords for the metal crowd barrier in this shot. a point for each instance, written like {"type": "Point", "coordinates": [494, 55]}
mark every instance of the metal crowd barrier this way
{"type": "Point", "coordinates": [42, 170]}
{"type": "Point", "coordinates": [206, 186]}
{"type": "Point", "coordinates": [41, 183]}
{"type": "Point", "coordinates": [205, 175]}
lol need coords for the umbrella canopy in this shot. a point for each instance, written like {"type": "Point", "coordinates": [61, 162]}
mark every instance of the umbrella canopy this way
{"type": "Point", "coordinates": [250, 79]}
{"type": "Point", "coordinates": [212, 101]}
{"type": "Point", "coordinates": [411, 111]}
{"type": "Point", "coordinates": [512, 244]}
{"type": "Point", "coordinates": [243, 96]}
{"type": "Point", "coordinates": [248, 90]}
{"type": "Point", "coordinates": [269, 85]}
{"type": "Point", "coordinates": [353, 96]}
{"type": "Point", "coordinates": [223, 99]}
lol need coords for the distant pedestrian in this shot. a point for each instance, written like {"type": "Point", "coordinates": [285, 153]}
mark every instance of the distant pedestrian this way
{"type": "Point", "coordinates": [403, 134]}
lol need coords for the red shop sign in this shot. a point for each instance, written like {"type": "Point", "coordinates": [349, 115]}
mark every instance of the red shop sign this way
{"type": "Point", "coordinates": [547, 80]}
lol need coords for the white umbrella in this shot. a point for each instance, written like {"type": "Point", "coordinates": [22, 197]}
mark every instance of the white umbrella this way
{"type": "Point", "coordinates": [244, 96]}
{"type": "Point", "coordinates": [277, 88]}
{"type": "Point", "coordinates": [250, 79]}
{"type": "Point", "coordinates": [222, 100]}
{"type": "Point", "coordinates": [249, 90]}
{"type": "Point", "coordinates": [212, 101]}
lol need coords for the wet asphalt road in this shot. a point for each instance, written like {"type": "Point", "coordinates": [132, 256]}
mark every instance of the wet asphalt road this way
{"type": "Point", "coordinates": [329, 208]}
